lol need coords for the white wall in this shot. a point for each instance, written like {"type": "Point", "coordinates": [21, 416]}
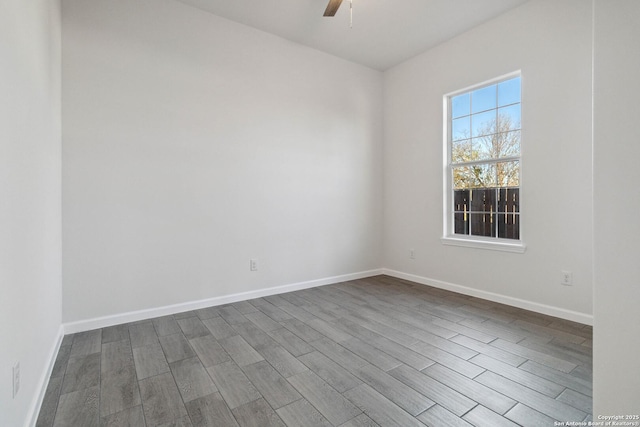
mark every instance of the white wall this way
{"type": "Point", "coordinates": [192, 144]}
{"type": "Point", "coordinates": [550, 42]}
{"type": "Point", "coordinates": [30, 279]}
{"type": "Point", "coordinates": [617, 231]}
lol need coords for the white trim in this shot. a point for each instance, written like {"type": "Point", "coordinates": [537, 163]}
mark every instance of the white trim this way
{"type": "Point", "coordinates": [549, 310]}
{"type": "Point", "coordinates": [134, 316]}
{"type": "Point", "coordinates": [495, 244]}
{"type": "Point", "coordinates": [494, 80]}
{"type": "Point", "coordinates": [490, 161]}
{"type": "Point", "coordinates": [43, 383]}
{"type": "Point", "coordinates": [101, 322]}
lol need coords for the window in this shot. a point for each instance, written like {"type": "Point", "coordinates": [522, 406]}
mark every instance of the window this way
{"type": "Point", "coordinates": [482, 173]}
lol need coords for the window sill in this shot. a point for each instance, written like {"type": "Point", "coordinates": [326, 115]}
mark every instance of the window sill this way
{"type": "Point", "coordinates": [503, 246]}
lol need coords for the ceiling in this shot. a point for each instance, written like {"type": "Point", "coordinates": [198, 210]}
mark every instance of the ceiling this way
{"type": "Point", "coordinates": [384, 33]}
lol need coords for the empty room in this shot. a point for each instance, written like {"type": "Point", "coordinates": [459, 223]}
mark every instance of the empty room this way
{"type": "Point", "coordinates": [319, 213]}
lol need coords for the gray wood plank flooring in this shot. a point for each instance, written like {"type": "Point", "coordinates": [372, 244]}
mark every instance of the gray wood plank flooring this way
{"type": "Point", "coordinates": [378, 351]}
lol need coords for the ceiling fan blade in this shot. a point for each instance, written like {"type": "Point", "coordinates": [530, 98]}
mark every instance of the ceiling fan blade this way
{"type": "Point", "coordinates": [332, 7]}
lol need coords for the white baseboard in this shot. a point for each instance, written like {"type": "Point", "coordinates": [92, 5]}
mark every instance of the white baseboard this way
{"type": "Point", "coordinates": [43, 383]}
{"type": "Point", "coordinates": [549, 310]}
{"type": "Point", "coordinates": [102, 322]}
{"type": "Point", "coordinates": [134, 316]}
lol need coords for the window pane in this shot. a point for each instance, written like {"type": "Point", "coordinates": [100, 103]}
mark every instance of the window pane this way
{"type": "Point", "coordinates": [477, 176]}
{"type": "Point", "coordinates": [484, 200]}
{"type": "Point", "coordinates": [508, 144]}
{"type": "Point", "coordinates": [484, 147]}
{"type": "Point", "coordinates": [483, 99]}
{"type": "Point", "coordinates": [483, 224]}
{"type": "Point", "coordinates": [509, 92]}
{"type": "Point", "coordinates": [461, 223]}
{"type": "Point", "coordinates": [485, 174]}
{"type": "Point", "coordinates": [508, 174]}
{"type": "Point", "coordinates": [461, 128]}
{"type": "Point", "coordinates": [461, 151]}
{"type": "Point", "coordinates": [463, 177]}
{"type": "Point", "coordinates": [461, 200]}
{"type": "Point", "coordinates": [460, 105]}
{"type": "Point", "coordinates": [509, 118]}
{"type": "Point", "coordinates": [461, 209]}
{"type": "Point", "coordinates": [496, 146]}
{"type": "Point", "coordinates": [483, 123]}
{"type": "Point", "coordinates": [509, 200]}
{"type": "Point", "coordinates": [508, 226]}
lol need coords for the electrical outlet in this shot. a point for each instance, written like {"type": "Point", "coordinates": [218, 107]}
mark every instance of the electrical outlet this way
{"type": "Point", "coordinates": [412, 254]}
{"type": "Point", "coordinates": [16, 379]}
{"type": "Point", "coordinates": [567, 278]}
{"type": "Point", "coordinates": [253, 264]}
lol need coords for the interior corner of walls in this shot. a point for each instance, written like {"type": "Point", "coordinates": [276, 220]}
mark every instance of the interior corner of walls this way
{"type": "Point", "coordinates": [43, 381]}
{"type": "Point", "coordinates": [584, 318]}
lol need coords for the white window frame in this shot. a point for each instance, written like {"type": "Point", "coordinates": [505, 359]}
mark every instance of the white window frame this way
{"type": "Point", "coordinates": [472, 241]}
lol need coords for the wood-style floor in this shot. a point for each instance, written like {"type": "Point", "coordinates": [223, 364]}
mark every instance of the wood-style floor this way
{"type": "Point", "coordinates": [377, 351]}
